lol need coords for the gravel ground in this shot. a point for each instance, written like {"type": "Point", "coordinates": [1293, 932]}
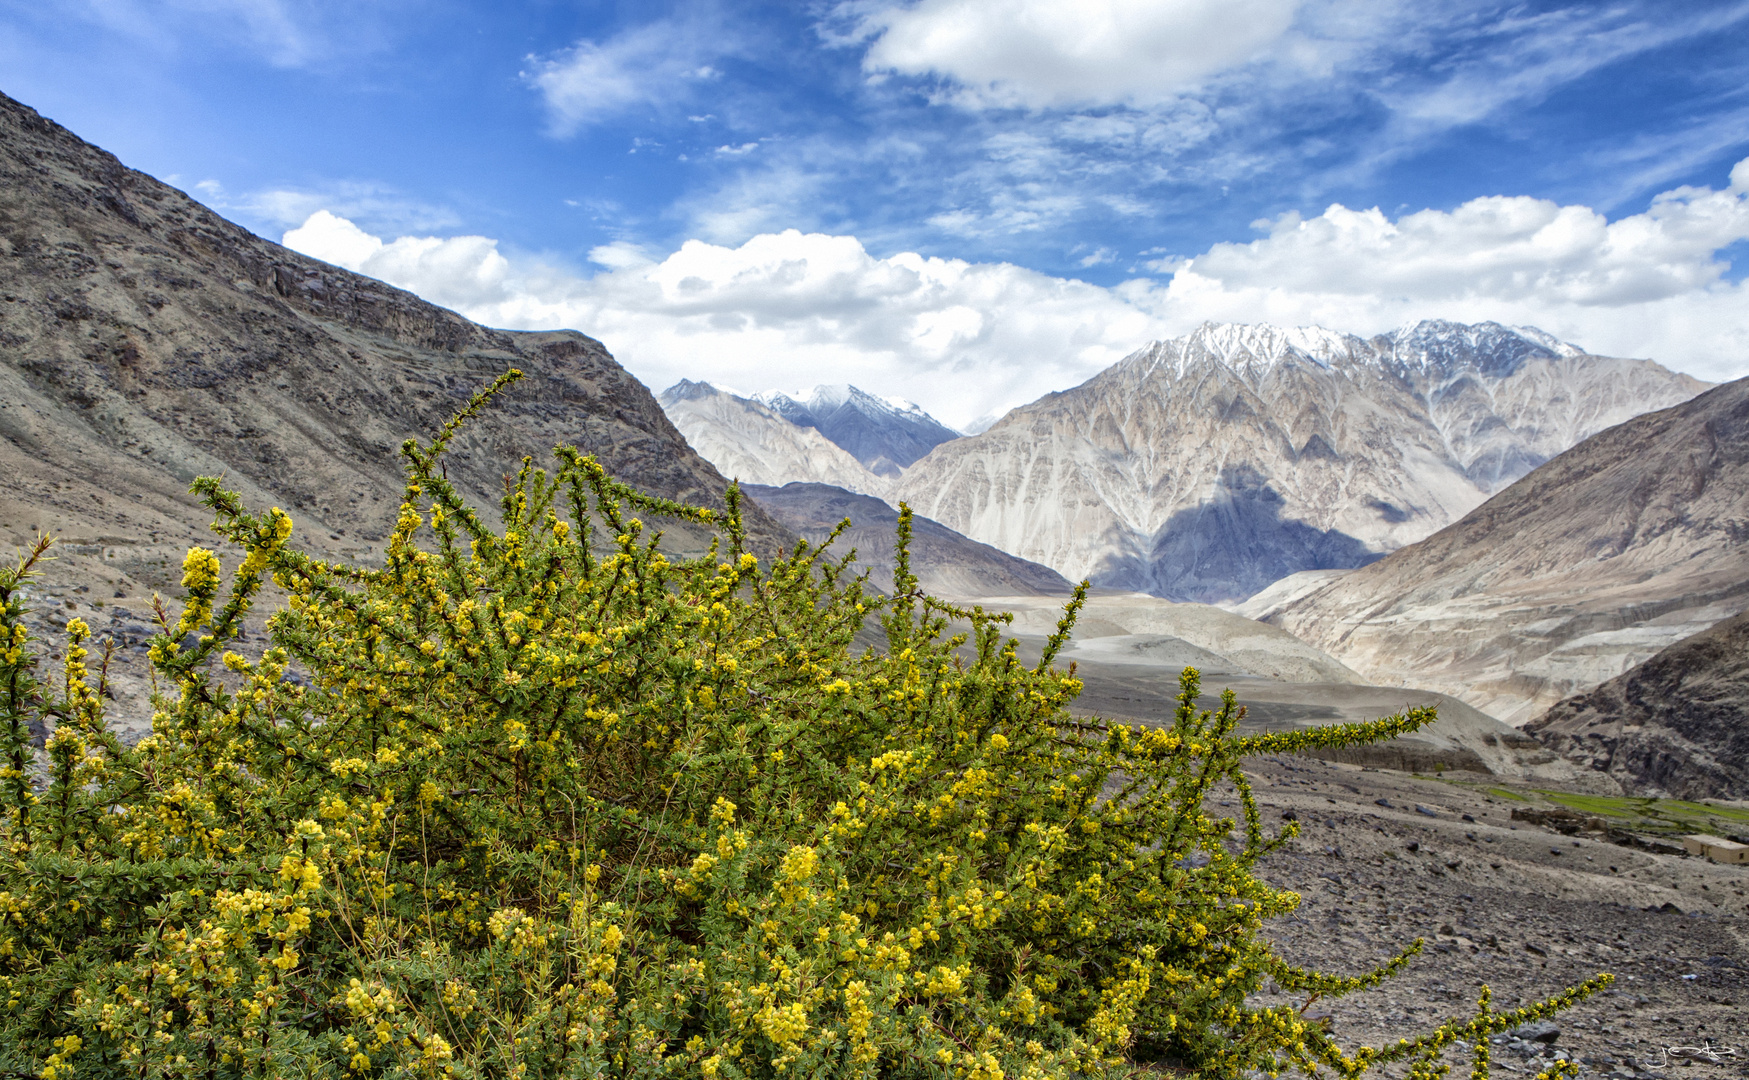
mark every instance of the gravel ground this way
{"type": "Point", "coordinates": [1384, 857]}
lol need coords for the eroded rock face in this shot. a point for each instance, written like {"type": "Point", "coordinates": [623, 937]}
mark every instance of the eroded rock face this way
{"type": "Point", "coordinates": [1206, 467]}
{"type": "Point", "coordinates": [144, 340]}
{"type": "Point", "coordinates": [1676, 725]}
{"type": "Point", "coordinates": [1611, 552]}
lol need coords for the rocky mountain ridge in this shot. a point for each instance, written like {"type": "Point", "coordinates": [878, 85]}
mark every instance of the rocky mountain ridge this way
{"type": "Point", "coordinates": [946, 563]}
{"type": "Point", "coordinates": [1602, 557]}
{"type": "Point", "coordinates": [1209, 466]}
{"type": "Point", "coordinates": [145, 340]}
{"type": "Point", "coordinates": [1674, 725]}
{"type": "Point", "coordinates": [752, 442]}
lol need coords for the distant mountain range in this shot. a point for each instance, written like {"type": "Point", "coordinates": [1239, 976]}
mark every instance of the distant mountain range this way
{"type": "Point", "coordinates": [1209, 466]}
{"type": "Point", "coordinates": [837, 435]}
{"type": "Point", "coordinates": [885, 434]}
{"type": "Point", "coordinates": [752, 442]}
{"type": "Point", "coordinates": [1476, 510]}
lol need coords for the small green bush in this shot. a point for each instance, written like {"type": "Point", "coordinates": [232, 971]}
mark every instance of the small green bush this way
{"type": "Point", "coordinates": [547, 803]}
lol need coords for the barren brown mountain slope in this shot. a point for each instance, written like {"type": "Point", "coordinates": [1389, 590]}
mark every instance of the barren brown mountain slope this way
{"type": "Point", "coordinates": [1677, 724]}
{"type": "Point", "coordinates": [946, 563]}
{"type": "Point", "coordinates": [145, 340]}
{"type": "Point", "coordinates": [1592, 563]}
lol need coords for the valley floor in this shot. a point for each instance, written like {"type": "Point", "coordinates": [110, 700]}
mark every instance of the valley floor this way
{"type": "Point", "coordinates": [1525, 910]}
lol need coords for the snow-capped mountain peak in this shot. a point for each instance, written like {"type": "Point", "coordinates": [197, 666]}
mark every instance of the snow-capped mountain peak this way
{"type": "Point", "coordinates": [751, 441]}
{"type": "Point", "coordinates": [886, 434]}
{"type": "Point", "coordinates": [1207, 466]}
{"type": "Point", "coordinates": [1435, 347]}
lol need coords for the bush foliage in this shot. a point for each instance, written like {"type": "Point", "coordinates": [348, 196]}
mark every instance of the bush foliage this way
{"type": "Point", "coordinates": [541, 801]}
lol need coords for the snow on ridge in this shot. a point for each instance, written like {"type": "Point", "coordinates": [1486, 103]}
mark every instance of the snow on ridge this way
{"type": "Point", "coordinates": [1254, 349]}
{"type": "Point", "coordinates": [825, 397]}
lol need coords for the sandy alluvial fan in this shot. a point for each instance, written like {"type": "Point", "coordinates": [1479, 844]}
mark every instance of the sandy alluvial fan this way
{"type": "Point", "coordinates": [1209, 466]}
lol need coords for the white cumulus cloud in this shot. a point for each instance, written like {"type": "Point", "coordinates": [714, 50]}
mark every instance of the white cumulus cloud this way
{"type": "Point", "coordinates": [461, 272]}
{"type": "Point", "coordinates": [1054, 53]}
{"type": "Point", "coordinates": [782, 309]}
{"type": "Point", "coordinates": [968, 339]}
{"type": "Point", "coordinates": [1650, 284]}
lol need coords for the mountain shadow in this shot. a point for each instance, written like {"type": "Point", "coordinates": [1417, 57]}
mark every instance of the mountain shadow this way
{"type": "Point", "coordinates": [1231, 546]}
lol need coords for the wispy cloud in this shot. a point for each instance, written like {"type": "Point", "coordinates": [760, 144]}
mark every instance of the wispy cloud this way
{"type": "Point", "coordinates": [375, 205]}
{"type": "Point", "coordinates": [1038, 54]}
{"type": "Point", "coordinates": [1446, 68]}
{"type": "Point", "coordinates": [1067, 114]}
{"type": "Point", "coordinates": [658, 65]}
{"type": "Point", "coordinates": [284, 34]}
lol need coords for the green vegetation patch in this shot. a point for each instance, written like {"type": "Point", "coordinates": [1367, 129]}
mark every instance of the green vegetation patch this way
{"type": "Point", "coordinates": [1655, 815]}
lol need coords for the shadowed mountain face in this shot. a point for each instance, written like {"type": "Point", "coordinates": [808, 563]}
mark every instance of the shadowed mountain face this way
{"type": "Point", "coordinates": [946, 563]}
{"type": "Point", "coordinates": [1236, 541]}
{"type": "Point", "coordinates": [1614, 550]}
{"type": "Point", "coordinates": [144, 340]}
{"type": "Point", "coordinates": [1677, 724]}
{"type": "Point", "coordinates": [1203, 467]}
{"type": "Point", "coordinates": [886, 436]}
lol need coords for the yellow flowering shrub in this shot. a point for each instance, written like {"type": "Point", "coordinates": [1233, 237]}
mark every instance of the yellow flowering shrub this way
{"type": "Point", "coordinates": [541, 801]}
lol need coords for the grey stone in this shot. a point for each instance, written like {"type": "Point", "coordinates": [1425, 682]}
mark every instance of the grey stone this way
{"type": "Point", "coordinates": [1543, 1031]}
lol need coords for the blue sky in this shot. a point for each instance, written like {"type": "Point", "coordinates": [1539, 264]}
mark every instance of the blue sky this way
{"type": "Point", "coordinates": [966, 202]}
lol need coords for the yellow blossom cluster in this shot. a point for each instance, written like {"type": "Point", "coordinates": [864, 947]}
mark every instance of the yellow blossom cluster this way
{"type": "Point", "coordinates": [535, 799]}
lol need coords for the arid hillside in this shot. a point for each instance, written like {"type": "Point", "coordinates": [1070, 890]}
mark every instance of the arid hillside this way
{"type": "Point", "coordinates": [144, 340]}
{"type": "Point", "coordinates": [1592, 563]}
{"type": "Point", "coordinates": [1677, 724]}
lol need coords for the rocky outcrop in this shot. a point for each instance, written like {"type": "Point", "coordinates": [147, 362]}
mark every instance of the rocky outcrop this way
{"type": "Point", "coordinates": [1674, 725]}
{"type": "Point", "coordinates": [1206, 467]}
{"type": "Point", "coordinates": [751, 442]}
{"type": "Point", "coordinates": [145, 340]}
{"type": "Point", "coordinates": [946, 563]}
{"type": "Point", "coordinates": [1611, 552]}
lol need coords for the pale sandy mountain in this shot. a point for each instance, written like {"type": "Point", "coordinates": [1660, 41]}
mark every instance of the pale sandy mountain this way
{"type": "Point", "coordinates": [1209, 466]}
{"type": "Point", "coordinates": [752, 442]}
{"type": "Point", "coordinates": [1611, 552]}
{"type": "Point", "coordinates": [1674, 725]}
